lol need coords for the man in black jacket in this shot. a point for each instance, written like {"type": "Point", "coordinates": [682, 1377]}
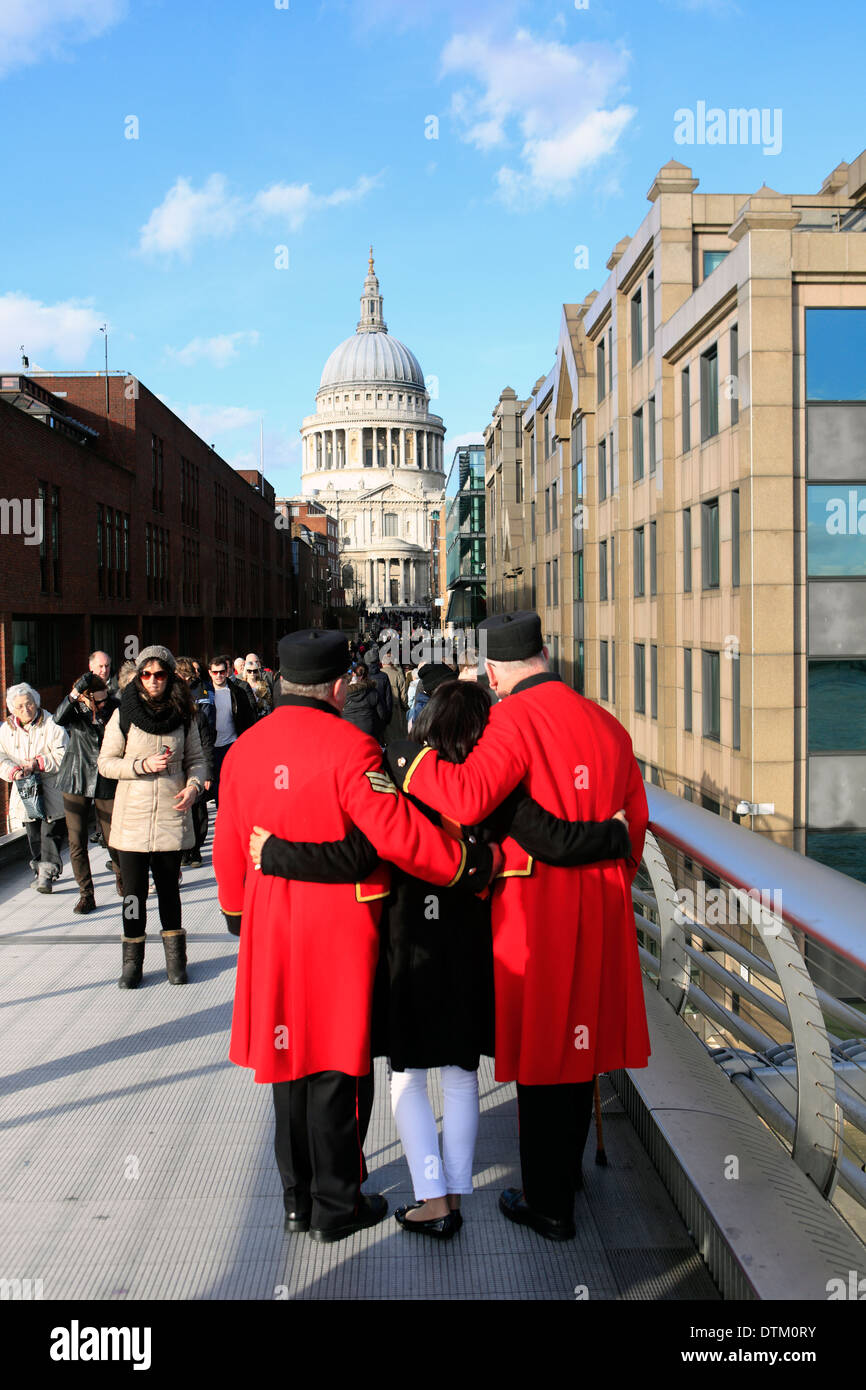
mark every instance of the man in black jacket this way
{"type": "Point", "coordinates": [230, 712]}
{"type": "Point", "coordinates": [185, 668]}
{"type": "Point", "coordinates": [385, 704]}
{"type": "Point", "coordinates": [84, 713]}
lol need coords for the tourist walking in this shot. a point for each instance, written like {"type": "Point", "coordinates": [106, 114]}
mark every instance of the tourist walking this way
{"type": "Point", "coordinates": [396, 727]}
{"type": "Point", "coordinates": [569, 995]}
{"type": "Point", "coordinates": [32, 748]}
{"type": "Point", "coordinates": [153, 750]}
{"type": "Point", "coordinates": [84, 714]}
{"type": "Point", "coordinates": [230, 712]}
{"type": "Point", "coordinates": [186, 669]}
{"type": "Point", "coordinates": [362, 703]}
{"type": "Point", "coordinates": [383, 685]}
{"type": "Point", "coordinates": [308, 951]}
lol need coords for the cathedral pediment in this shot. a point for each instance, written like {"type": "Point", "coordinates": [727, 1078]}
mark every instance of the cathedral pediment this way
{"type": "Point", "coordinates": [391, 492]}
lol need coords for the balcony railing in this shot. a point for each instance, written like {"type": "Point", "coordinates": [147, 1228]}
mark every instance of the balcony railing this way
{"type": "Point", "coordinates": [762, 952]}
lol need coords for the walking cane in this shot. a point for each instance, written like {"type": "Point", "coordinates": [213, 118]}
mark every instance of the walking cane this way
{"type": "Point", "coordinates": [600, 1155]}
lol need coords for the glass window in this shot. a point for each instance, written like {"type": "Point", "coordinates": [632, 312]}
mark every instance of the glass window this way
{"type": "Point", "coordinates": [602, 470]}
{"type": "Point", "coordinates": [735, 375]}
{"type": "Point", "coordinates": [650, 311]}
{"type": "Point", "coordinates": [613, 567]}
{"type": "Point", "coordinates": [578, 665]}
{"type": "Point", "coordinates": [711, 695]}
{"type": "Point", "coordinates": [554, 510]}
{"type": "Point", "coordinates": [638, 562]}
{"type": "Point", "coordinates": [653, 559]}
{"type": "Point", "coordinates": [687, 550]}
{"type": "Point", "coordinates": [614, 473]}
{"type": "Point", "coordinates": [613, 670]}
{"type": "Point", "coordinates": [546, 510]}
{"type": "Point", "coordinates": [735, 699]}
{"type": "Point", "coordinates": [610, 359]}
{"type": "Point", "coordinates": [601, 370]}
{"type": "Point", "coordinates": [637, 445]}
{"type": "Point", "coordinates": [578, 575]}
{"type": "Point", "coordinates": [555, 581]}
{"type": "Point", "coordinates": [710, 393]}
{"type": "Point", "coordinates": [389, 527]}
{"type": "Point", "coordinates": [654, 682]}
{"type": "Point", "coordinates": [687, 689]}
{"type": "Point", "coordinates": [687, 411]}
{"type": "Point", "coordinates": [639, 678]}
{"type": "Point", "coordinates": [533, 589]}
{"type": "Point", "coordinates": [546, 436]}
{"type": "Point", "coordinates": [532, 458]}
{"type": "Point", "coordinates": [532, 520]}
{"type": "Point", "coordinates": [837, 706]}
{"type": "Point", "coordinates": [836, 529]}
{"type": "Point", "coordinates": [636, 329]}
{"type": "Point", "coordinates": [651, 432]}
{"type": "Point", "coordinates": [710, 543]}
{"type": "Point", "coordinates": [603, 686]}
{"type": "Point", "coordinates": [835, 354]}
{"type": "Point", "coordinates": [602, 570]}
{"type": "Point", "coordinates": [711, 260]}
{"type": "Point", "coordinates": [547, 583]}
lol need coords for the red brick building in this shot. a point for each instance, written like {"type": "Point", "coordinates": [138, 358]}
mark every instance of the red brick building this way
{"type": "Point", "coordinates": [147, 534]}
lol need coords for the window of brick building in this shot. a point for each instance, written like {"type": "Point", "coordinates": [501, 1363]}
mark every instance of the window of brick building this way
{"type": "Point", "coordinates": [157, 472]}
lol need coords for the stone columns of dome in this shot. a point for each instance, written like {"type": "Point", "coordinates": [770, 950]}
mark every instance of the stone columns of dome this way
{"type": "Point", "coordinates": [402, 448]}
{"type": "Point", "coordinates": [424, 442]}
{"type": "Point", "coordinates": [388, 447]}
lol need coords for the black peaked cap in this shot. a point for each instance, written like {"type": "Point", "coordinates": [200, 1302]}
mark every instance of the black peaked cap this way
{"type": "Point", "coordinates": [313, 655]}
{"type": "Point", "coordinates": [512, 636]}
{"type": "Point", "coordinates": [434, 674]}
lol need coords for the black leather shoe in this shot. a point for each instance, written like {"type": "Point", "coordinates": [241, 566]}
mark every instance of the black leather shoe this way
{"type": "Point", "coordinates": [512, 1205]}
{"type": "Point", "coordinates": [371, 1211]}
{"type": "Point", "coordinates": [440, 1227]}
{"type": "Point", "coordinates": [298, 1221]}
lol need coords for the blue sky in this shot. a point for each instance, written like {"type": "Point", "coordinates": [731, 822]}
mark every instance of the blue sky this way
{"type": "Point", "coordinates": [263, 124]}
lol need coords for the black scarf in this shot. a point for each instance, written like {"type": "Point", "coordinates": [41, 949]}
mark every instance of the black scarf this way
{"type": "Point", "coordinates": [153, 718]}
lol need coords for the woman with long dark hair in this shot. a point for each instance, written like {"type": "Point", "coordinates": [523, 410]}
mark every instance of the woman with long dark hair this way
{"type": "Point", "coordinates": [434, 997]}
{"type": "Point", "coordinates": [153, 750]}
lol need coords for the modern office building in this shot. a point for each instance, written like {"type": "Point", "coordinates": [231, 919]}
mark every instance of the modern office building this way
{"type": "Point", "coordinates": [705, 425]}
{"type": "Point", "coordinates": [465, 538]}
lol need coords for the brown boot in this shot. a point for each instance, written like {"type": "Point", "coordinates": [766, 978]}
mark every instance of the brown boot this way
{"type": "Point", "coordinates": [133, 962]}
{"type": "Point", "coordinates": [175, 956]}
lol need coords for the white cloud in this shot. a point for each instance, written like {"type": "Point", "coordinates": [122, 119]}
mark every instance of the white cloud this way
{"type": "Point", "coordinates": [187, 215]}
{"type": "Point", "coordinates": [34, 29]}
{"type": "Point", "coordinates": [459, 441]}
{"type": "Point", "coordinates": [219, 350]}
{"type": "Point", "coordinates": [64, 332]}
{"type": "Point", "coordinates": [561, 99]}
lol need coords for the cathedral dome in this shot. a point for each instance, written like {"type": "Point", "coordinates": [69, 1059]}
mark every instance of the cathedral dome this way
{"type": "Point", "coordinates": [368, 356]}
{"type": "Point", "coordinates": [371, 354]}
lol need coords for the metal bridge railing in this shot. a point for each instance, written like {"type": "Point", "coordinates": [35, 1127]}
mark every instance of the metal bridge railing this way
{"type": "Point", "coordinates": [762, 952]}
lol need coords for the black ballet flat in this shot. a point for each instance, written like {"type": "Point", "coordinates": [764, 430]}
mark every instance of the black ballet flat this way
{"type": "Point", "coordinates": [440, 1228]}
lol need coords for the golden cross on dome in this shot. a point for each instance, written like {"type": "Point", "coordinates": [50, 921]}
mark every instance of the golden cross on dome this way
{"type": "Point", "coordinates": [371, 260]}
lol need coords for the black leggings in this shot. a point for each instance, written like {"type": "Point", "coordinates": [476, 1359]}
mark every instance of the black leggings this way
{"type": "Point", "coordinates": [165, 867]}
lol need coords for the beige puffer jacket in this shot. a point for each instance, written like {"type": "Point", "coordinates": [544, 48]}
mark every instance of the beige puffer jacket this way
{"type": "Point", "coordinates": [144, 818]}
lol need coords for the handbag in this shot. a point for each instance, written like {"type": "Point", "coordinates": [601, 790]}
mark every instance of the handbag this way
{"type": "Point", "coordinates": [29, 789]}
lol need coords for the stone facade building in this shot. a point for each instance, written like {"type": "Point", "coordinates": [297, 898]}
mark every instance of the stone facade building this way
{"type": "Point", "coordinates": [373, 458]}
{"type": "Point", "coordinates": [694, 502]}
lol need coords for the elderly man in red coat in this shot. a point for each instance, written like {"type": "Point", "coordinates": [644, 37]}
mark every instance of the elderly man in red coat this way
{"type": "Point", "coordinates": [569, 998]}
{"type": "Point", "coordinates": [308, 951]}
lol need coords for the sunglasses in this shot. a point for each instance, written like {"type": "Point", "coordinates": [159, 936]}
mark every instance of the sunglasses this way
{"type": "Point", "coordinates": [217, 670]}
{"type": "Point", "coordinates": [154, 675]}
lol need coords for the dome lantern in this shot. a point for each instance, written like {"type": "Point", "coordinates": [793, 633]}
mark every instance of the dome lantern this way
{"type": "Point", "coordinates": [371, 320]}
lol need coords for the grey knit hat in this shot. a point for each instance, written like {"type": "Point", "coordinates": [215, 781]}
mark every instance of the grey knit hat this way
{"type": "Point", "coordinates": [155, 654]}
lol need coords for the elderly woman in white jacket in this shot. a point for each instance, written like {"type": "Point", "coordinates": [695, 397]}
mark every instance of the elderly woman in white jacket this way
{"type": "Point", "coordinates": [30, 741]}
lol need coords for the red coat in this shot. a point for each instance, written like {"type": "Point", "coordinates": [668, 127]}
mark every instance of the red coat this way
{"type": "Point", "coordinates": [569, 995]}
{"type": "Point", "coordinates": [308, 951]}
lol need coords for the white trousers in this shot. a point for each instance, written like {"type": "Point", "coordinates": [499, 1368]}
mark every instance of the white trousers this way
{"type": "Point", "coordinates": [432, 1175]}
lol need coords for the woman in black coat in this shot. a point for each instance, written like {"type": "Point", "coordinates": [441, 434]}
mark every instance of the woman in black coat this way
{"type": "Point", "coordinates": [433, 1002]}
{"type": "Point", "coordinates": [362, 699]}
{"type": "Point", "coordinates": [84, 714]}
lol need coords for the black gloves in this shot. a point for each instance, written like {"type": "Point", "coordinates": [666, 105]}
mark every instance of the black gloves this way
{"type": "Point", "coordinates": [233, 922]}
{"type": "Point", "coordinates": [84, 682]}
